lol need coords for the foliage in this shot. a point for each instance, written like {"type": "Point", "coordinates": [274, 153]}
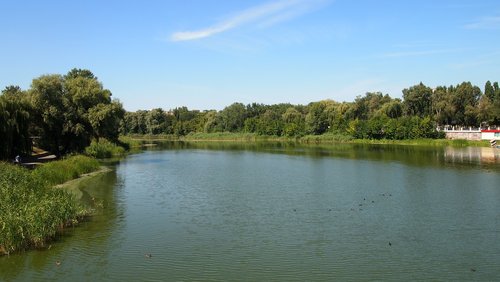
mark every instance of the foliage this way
{"type": "Point", "coordinates": [32, 212]}
{"type": "Point", "coordinates": [372, 116]}
{"type": "Point", "coordinates": [104, 149]}
{"type": "Point", "coordinates": [65, 112]}
{"type": "Point", "coordinates": [58, 172]}
{"type": "Point", "coordinates": [418, 100]}
{"type": "Point", "coordinates": [14, 123]}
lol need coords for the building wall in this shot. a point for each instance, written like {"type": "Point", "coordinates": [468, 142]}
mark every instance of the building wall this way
{"type": "Point", "coordinates": [490, 135]}
{"type": "Point", "coordinates": [467, 135]}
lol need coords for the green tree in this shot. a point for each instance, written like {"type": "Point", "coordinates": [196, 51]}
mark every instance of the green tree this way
{"type": "Point", "coordinates": [442, 105]}
{"type": "Point", "coordinates": [392, 109]}
{"type": "Point", "coordinates": [105, 120]}
{"type": "Point", "coordinates": [489, 91]}
{"type": "Point", "coordinates": [316, 119]}
{"type": "Point", "coordinates": [294, 122]}
{"type": "Point", "coordinates": [14, 123]}
{"type": "Point", "coordinates": [465, 99]}
{"type": "Point", "coordinates": [233, 117]}
{"type": "Point", "coordinates": [417, 100]}
{"type": "Point", "coordinates": [155, 121]}
{"type": "Point", "coordinates": [47, 100]}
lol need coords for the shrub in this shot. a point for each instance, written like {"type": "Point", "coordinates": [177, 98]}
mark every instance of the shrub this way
{"type": "Point", "coordinates": [104, 149]}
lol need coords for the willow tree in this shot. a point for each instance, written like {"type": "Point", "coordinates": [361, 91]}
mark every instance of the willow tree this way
{"type": "Point", "coordinates": [14, 123]}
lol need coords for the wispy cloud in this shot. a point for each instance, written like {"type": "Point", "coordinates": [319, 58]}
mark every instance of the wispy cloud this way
{"type": "Point", "coordinates": [480, 60]}
{"type": "Point", "coordinates": [485, 23]}
{"type": "Point", "coordinates": [264, 16]}
{"type": "Point", "coordinates": [416, 53]}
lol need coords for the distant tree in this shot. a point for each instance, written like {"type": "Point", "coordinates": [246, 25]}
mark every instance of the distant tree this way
{"type": "Point", "coordinates": [392, 109]}
{"type": "Point", "coordinates": [442, 105]}
{"type": "Point", "coordinates": [255, 110]}
{"type": "Point", "coordinates": [211, 124]}
{"type": "Point", "coordinates": [155, 121]}
{"type": "Point", "coordinates": [489, 91]}
{"type": "Point", "coordinates": [233, 117]}
{"type": "Point", "coordinates": [83, 73]}
{"type": "Point", "coordinates": [316, 119]}
{"type": "Point", "coordinates": [269, 123]}
{"type": "Point", "coordinates": [465, 99]}
{"type": "Point", "coordinates": [417, 100]}
{"type": "Point", "coordinates": [485, 111]}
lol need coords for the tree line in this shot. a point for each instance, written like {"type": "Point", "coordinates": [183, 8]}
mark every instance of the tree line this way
{"type": "Point", "coordinates": [372, 116]}
{"type": "Point", "coordinates": [62, 113]}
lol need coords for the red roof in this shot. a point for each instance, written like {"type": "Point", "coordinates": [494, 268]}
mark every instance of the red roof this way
{"type": "Point", "coordinates": [491, 130]}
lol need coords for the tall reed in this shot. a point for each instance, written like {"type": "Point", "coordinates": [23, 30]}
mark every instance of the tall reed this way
{"type": "Point", "coordinates": [63, 170]}
{"type": "Point", "coordinates": [31, 212]}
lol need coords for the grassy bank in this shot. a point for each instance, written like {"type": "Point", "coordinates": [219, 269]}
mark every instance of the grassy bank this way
{"type": "Point", "coordinates": [32, 211]}
{"type": "Point", "coordinates": [328, 138]}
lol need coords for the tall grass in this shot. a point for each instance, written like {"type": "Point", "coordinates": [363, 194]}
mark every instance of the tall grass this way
{"type": "Point", "coordinates": [67, 169]}
{"type": "Point", "coordinates": [104, 149]}
{"type": "Point", "coordinates": [326, 138]}
{"type": "Point", "coordinates": [31, 211]}
{"type": "Point", "coordinates": [130, 142]}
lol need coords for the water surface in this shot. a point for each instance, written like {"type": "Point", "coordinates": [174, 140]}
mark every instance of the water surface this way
{"type": "Point", "coordinates": [213, 212]}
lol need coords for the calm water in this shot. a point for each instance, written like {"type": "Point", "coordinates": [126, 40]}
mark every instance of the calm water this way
{"type": "Point", "coordinates": [265, 212]}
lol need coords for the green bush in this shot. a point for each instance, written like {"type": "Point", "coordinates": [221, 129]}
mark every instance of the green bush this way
{"type": "Point", "coordinates": [104, 149]}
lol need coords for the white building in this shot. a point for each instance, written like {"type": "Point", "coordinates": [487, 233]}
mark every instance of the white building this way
{"type": "Point", "coordinates": [492, 134]}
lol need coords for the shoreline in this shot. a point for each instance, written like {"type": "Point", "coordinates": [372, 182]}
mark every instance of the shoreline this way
{"type": "Point", "coordinates": [83, 177]}
{"type": "Point", "coordinates": [308, 139]}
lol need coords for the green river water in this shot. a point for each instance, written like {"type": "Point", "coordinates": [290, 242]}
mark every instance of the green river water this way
{"type": "Point", "coordinates": [282, 212]}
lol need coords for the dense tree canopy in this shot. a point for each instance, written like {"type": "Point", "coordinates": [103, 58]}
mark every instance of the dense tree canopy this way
{"type": "Point", "coordinates": [373, 115]}
{"type": "Point", "coordinates": [65, 113]}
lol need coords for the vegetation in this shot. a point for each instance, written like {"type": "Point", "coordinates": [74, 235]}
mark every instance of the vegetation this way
{"type": "Point", "coordinates": [71, 112]}
{"type": "Point", "coordinates": [58, 172]}
{"type": "Point", "coordinates": [104, 149]}
{"type": "Point", "coordinates": [64, 113]}
{"type": "Point", "coordinates": [32, 211]}
{"type": "Point", "coordinates": [75, 113]}
{"type": "Point", "coordinates": [373, 116]}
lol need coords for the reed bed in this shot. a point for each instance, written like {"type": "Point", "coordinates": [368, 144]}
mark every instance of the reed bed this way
{"type": "Point", "coordinates": [31, 210]}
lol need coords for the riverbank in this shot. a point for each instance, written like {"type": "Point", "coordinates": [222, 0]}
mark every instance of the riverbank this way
{"type": "Point", "coordinates": [308, 139]}
{"type": "Point", "coordinates": [33, 212]}
{"type": "Point", "coordinates": [72, 186]}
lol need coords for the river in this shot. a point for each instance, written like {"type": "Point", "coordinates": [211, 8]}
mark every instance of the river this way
{"type": "Point", "coordinates": [286, 212]}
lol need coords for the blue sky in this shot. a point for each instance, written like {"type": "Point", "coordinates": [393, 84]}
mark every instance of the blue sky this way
{"type": "Point", "coordinates": [207, 54]}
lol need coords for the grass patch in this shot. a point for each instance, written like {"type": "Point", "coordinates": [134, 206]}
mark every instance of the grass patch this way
{"type": "Point", "coordinates": [104, 149]}
{"type": "Point", "coordinates": [32, 212]}
{"type": "Point", "coordinates": [221, 136]}
{"type": "Point", "coordinates": [58, 172]}
{"type": "Point", "coordinates": [130, 142]}
{"type": "Point", "coordinates": [327, 138]}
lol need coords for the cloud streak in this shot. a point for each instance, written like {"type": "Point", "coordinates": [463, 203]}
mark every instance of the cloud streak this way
{"type": "Point", "coordinates": [415, 53]}
{"type": "Point", "coordinates": [485, 23]}
{"type": "Point", "coordinates": [265, 15]}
